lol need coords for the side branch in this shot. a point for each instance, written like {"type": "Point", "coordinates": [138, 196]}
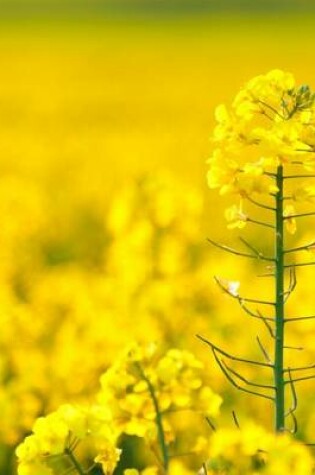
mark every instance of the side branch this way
{"type": "Point", "coordinates": [297, 319]}
{"type": "Point", "coordinates": [260, 223]}
{"type": "Point", "coordinates": [292, 284]}
{"type": "Point", "coordinates": [299, 264]}
{"type": "Point", "coordinates": [260, 205]}
{"type": "Point", "coordinates": [254, 249]}
{"type": "Point", "coordinates": [234, 383]}
{"type": "Point", "coordinates": [238, 297]}
{"type": "Point", "coordinates": [288, 177]}
{"type": "Point", "coordinates": [297, 380]}
{"type": "Point", "coordinates": [253, 314]}
{"type": "Point", "coordinates": [299, 368]}
{"type": "Point", "coordinates": [245, 380]}
{"type": "Point", "coordinates": [239, 253]}
{"type": "Point", "coordinates": [263, 349]}
{"type": "Point", "coordinates": [291, 412]}
{"type": "Point", "coordinates": [302, 215]}
{"type": "Point", "coordinates": [306, 247]}
{"type": "Point", "coordinates": [293, 393]}
{"type": "Point", "coordinates": [231, 357]}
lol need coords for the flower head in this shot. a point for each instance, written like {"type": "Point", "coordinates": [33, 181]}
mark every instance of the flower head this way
{"type": "Point", "coordinates": [271, 123]}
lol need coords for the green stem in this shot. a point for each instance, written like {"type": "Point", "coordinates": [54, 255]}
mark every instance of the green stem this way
{"type": "Point", "coordinates": [158, 419]}
{"type": "Point", "coordinates": [279, 333]}
{"type": "Point", "coordinates": [74, 461]}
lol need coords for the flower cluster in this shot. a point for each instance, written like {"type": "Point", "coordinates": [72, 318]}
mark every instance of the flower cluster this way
{"type": "Point", "coordinates": [251, 450]}
{"type": "Point", "coordinates": [144, 386]}
{"type": "Point", "coordinates": [271, 123]}
{"type": "Point", "coordinates": [60, 432]}
{"type": "Point", "coordinates": [138, 393]}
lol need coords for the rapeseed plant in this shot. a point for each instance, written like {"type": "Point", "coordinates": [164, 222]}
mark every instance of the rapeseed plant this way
{"type": "Point", "coordinates": [141, 395]}
{"type": "Point", "coordinates": [263, 145]}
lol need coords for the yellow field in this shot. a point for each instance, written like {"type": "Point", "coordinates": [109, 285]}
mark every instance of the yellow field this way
{"type": "Point", "coordinates": [104, 134]}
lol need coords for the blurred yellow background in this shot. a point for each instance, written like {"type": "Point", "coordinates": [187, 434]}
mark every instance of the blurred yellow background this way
{"type": "Point", "coordinates": [98, 100]}
{"type": "Point", "coordinates": [104, 133]}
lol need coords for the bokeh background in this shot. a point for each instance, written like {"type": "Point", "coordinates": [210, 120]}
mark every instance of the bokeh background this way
{"type": "Point", "coordinates": [106, 109]}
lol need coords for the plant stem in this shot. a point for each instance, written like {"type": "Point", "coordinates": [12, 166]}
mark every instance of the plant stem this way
{"type": "Point", "coordinates": [74, 461]}
{"type": "Point", "coordinates": [158, 419]}
{"type": "Point", "coordinates": [279, 317]}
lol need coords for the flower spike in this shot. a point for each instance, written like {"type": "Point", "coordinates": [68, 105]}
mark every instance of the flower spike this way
{"type": "Point", "coordinates": [272, 121]}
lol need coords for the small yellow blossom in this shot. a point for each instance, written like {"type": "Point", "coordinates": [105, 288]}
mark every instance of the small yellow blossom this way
{"type": "Point", "coordinates": [222, 173]}
{"type": "Point", "coordinates": [108, 459]}
{"type": "Point", "coordinates": [290, 222]}
{"type": "Point", "coordinates": [235, 217]}
{"type": "Point", "coordinates": [208, 402]}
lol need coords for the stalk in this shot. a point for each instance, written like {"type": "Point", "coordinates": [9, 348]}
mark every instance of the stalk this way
{"type": "Point", "coordinates": [74, 462]}
{"type": "Point", "coordinates": [279, 308]}
{"type": "Point", "coordinates": [158, 420]}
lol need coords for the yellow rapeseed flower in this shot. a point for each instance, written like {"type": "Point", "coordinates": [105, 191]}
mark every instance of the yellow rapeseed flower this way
{"type": "Point", "coordinates": [235, 217]}
{"type": "Point", "coordinates": [108, 459]}
{"type": "Point", "coordinates": [271, 122]}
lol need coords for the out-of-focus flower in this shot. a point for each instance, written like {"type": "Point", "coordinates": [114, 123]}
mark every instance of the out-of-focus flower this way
{"type": "Point", "coordinates": [235, 217]}
{"type": "Point", "coordinates": [108, 458]}
{"type": "Point", "coordinates": [143, 376]}
{"type": "Point", "coordinates": [251, 450]}
{"type": "Point", "coordinates": [54, 435]}
{"type": "Point", "coordinates": [290, 222]}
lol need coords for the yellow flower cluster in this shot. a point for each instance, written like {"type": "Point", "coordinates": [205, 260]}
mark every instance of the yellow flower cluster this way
{"type": "Point", "coordinates": [137, 394]}
{"type": "Point", "coordinates": [60, 432]}
{"type": "Point", "coordinates": [271, 122]}
{"type": "Point", "coordinates": [252, 450]}
{"type": "Point", "coordinates": [142, 384]}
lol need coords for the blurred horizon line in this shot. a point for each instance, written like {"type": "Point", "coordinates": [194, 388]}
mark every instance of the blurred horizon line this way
{"type": "Point", "coordinates": [17, 8]}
